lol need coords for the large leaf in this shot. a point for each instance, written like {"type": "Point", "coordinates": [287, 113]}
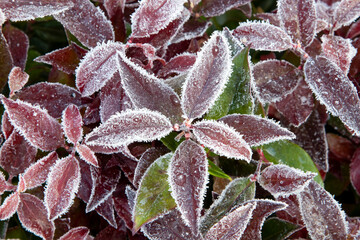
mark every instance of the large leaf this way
{"type": "Point", "coordinates": [35, 124]}
{"type": "Point", "coordinates": [211, 8]}
{"type": "Point", "coordinates": [130, 126]}
{"type": "Point", "coordinates": [153, 196]}
{"type": "Point", "coordinates": [9, 206]}
{"type": "Point", "coordinates": [78, 233]}
{"type": "Point", "coordinates": [72, 124]}
{"type": "Point", "coordinates": [207, 77]}
{"type": "Point", "coordinates": [188, 177]}
{"type": "Point", "coordinates": [346, 12]}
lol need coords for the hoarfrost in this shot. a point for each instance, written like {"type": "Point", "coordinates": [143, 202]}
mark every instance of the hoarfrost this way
{"type": "Point", "coordinates": [9, 206]}
{"type": "Point", "coordinates": [72, 124]}
{"type": "Point", "coordinates": [346, 12]}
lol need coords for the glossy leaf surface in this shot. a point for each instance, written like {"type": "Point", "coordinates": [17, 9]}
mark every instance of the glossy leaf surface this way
{"type": "Point", "coordinates": [72, 124]}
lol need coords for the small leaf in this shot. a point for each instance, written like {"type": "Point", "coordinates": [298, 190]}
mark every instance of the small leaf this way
{"type": "Point", "coordinates": [355, 171]}
{"type": "Point", "coordinates": [72, 124]}
{"type": "Point", "coordinates": [177, 65]}
{"type": "Point", "coordinates": [153, 197]}
{"type": "Point", "coordinates": [62, 184]}
{"type": "Point", "coordinates": [17, 79]}
{"type": "Point", "coordinates": [222, 139]}
{"type": "Point", "coordinates": [190, 30]}
{"type": "Point", "coordinates": [5, 185]}
{"type": "Point", "coordinates": [188, 177]}
{"type": "Point", "coordinates": [6, 127]}
{"type": "Point", "coordinates": [6, 61]}
{"type": "Point", "coordinates": [217, 172]}
{"type": "Point", "coordinates": [9, 206]}
{"type": "Point", "coordinates": [212, 8]}
{"type": "Point", "coordinates": [78, 233]}
{"type": "Point", "coordinates": [106, 210]}
{"type": "Point", "coordinates": [345, 13]}
{"type": "Point", "coordinates": [207, 78]}
{"type": "Point", "coordinates": [87, 154]}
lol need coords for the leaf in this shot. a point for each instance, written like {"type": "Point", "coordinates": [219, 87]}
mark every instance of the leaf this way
{"type": "Point", "coordinates": [17, 79]}
{"type": "Point", "coordinates": [5, 185]}
{"type": "Point", "coordinates": [212, 8]}
{"type": "Point", "coordinates": [207, 78]}
{"type": "Point", "coordinates": [9, 206]}
{"type": "Point", "coordinates": [177, 65]}
{"type": "Point", "coordinates": [317, 203]}
{"type": "Point", "coordinates": [72, 124]}
{"type": "Point", "coordinates": [29, 10]}
{"type": "Point", "coordinates": [262, 36]}
{"type": "Point", "coordinates": [153, 16]}
{"type": "Point", "coordinates": [6, 61]}
{"type": "Point", "coordinates": [236, 192]}
{"type": "Point", "coordinates": [298, 18]}
{"type": "Point", "coordinates": [333, 89]}
{"type": "Point", "coordinates": [78, 233]}
{"type": "Point", "coordinates": [97, 67]}
{"type": "Point", "coordinates": [354, 30]}
{"type": "Point", "coordinates": [232, 226]}
{"type": "Point", "coordinates": [87, 23]}
{"type": "Point", "coordinates": [256, 130]}
{"type": "Point", "coordinates": [345, 13]}
{"type": "Point", "coordinates": [32, 215]}
{"type": "Point", "coordinates": [153, 196]}
{"type": "Point", "coordinates": [222, 139]}
{"type": "Point", "coordinates": [87, 154]}
{"type": "Point", "coordinates": [106, 210]}
{"type": "Point", "coordinates": [277, 229]}
{"type": "Point", "coordinates": [191, 29]}
{"type": "Point", "coordinates": [122, 201]}
{"type": "Point", "coordinates": [288, 153]}
{"type": "Point", "coordinates": [27, 119]}
{"type": "Point", "coordinates": [6, 127]}
{"type": "Point", "coordinates": [273, 18]}
{"type": "Point", "coordinates": [147, 91]}
{"type": "Point", "coordinates": [130, 126]}
{"type": "Point", "coordinates": [188, 176]}
{"type": "Point", "coordinates": [62, 184]}
{"type": "Point", "coordinates": [355, 171]}
{"type": "Point", "coordinates": [217, 172]}
{"type": "Point", "coordinates": [275, 79]}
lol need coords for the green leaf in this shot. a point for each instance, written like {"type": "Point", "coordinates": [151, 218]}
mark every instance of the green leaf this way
{"type": "Point", "coordinates": [290, 154]}
{"type": "Point", "coordinates": [170, 142]}
{"type": "Point", "coordinates": [277, 229]}
{"type": "Point", "coordinates": [153, 197]}
{"type": "Point", "coordinates": [236, 192]}
{"type": "Point", "coordinates": [236, 97]}
{"type": "Point", "coordinates": [217, 172]}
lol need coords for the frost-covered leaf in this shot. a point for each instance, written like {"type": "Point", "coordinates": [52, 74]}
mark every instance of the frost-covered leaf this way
{"type": "Point", "coordinates": [87, 154]}
{"type": "Point", "coordinates": [222, 139]}
{"type": "Point", "coordinates": [97, 67]}
{"type": "Point", "coordinates": [127, 162]}
{"type": "Point", "coordinates": [282, 180]}
{"type": "Point", "coordinates": [78, 233]}
{"type": "Point", "coordinates": [106, 210]}
{"type": "Point", "coordinates": [232, 226]}
{"type": "Point", "coordinates": [153, 16]}
{"type": "Point", "coordinates": [211, 8]}
{"type": "Point", "coordinates": [37, 173]}
{"type": "Point", "coordinates": [9, 206]}
{"type": "Point", "coordinates": [339, 50]}
{"type": "Point", "coordinates": [35, 124]}
{"type": "Point", "coordinates": [130, 126]}
{"type": "Point", "coordinates": [72, 124]}
{"type": "Point", "coordinates": [62, 184]}
{"type": "Point", "coordinates": [333, 89]}
{"type": "Point", "coordinates": [262, 36]}
{"type": "Point", "coordinates": [54, 97]}
{"type": "Point", "coordinates": [5, 185]}
{"type": "Point", "coordinates": [272, 17]}
{"type": "Point", "coordinates": [207, 77]}
{"type": "Point", "coordinates": [236, 192]}
{"type": "Point", "coordinates": [321, 213]}
{"type": "Point", "coordinates": [177, 65]}
{"type": "Point", "coordinates": [191, 29]}
{"type": "Point", "coordinates": [17, 79]}
{"type": "Point", "coordinates": [6, 61]}
{"type": "Point", "coordinates": [256, 130]}
{"type": "Point", "coordinates": [122, 197]}
{"type": "Point", "coordinates": [188, 177]}
{"type": "Point", "coordinates": [354, 30]}
{"type": "Point", "coordinates": [346, 12]}
{"type": "Point", "coordinates": [6, 127]}
{"type": "Point", "coordinates": [87, 23]}
{"type": "Point", "coordinates": [292, 212]}
{"type": "Point", "coordinates": [355, 171]}
{"type": "Point", "coordinates": [153, 196]}
{"type": "Point", "coordinates": [147, 91]}
{"type": "Point", "coordinates": [29, 10]}
{"type": "Point", "coordinates": [32, 215]}
{"type": "Point", "coordinates": [298, 18]}
{"type": "Point", "coordinates": [274, 79]}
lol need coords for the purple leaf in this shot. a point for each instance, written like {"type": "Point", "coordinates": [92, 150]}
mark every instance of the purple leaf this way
{"type": "Point", "coordinates": [85, 187]}
{"type": "Point", "coordinates": [121, 204]}
{"type": "Point", "coordinates": [27, 119]}
{"type": "Point", "coordinates": [207, 77]}
{"type": "Point", "coordinates": [78, 233]}
{"type": "Point", "coordinates": [106, 210]}
{"type": "Point", "coordinates": [17, 79]}
{"type": "Point", "coordinates": [72, 124]}
{"type": "Point", "coordinates": [87, 154]}
{"type": "Point", "coordinates": [274, 79]}
{"type": "Point", "coordinates": [191, 29]}
{"type": "Point", "coordinates": [178, 65]}
{"type": "Point", "coordinates": [256, 130]}
{"type": "Point", "coordinates": [292, 212]}
{"type": "Point", "coordinates": [6, 127]}
{"type": "Point", "coordinates": [321, 213]}
{"type": "Point", "coordinates": [273, 18]}
{"type": "Point", "coordinates": [62, 184]}
{"type": "Point", "coordinates": [97, 67]}
{"type": "Point", "coordinates": [188, 177]}
{"type": "Point", "coordinates": [346, 12]}
{"type": "Point", "coordinates": [263, 36]}
{"type": "Point", "coordinates": [127, 162]}
{"type": "Point", "coordinates": [5, 185]}
{"type": "Point", "coordinates": [298, 18]}
{"type": "Point", "coordinates": [232, 226]}
{"type": "Point", "coordinates": [6, 61]}
{"type": "Point", "coordinates": [130, 126]}
{"type": "Point", "coordinates": [147, 91]}
{"type": "Point", "coordinates": [282, 180]}
{"type": "Point", "coordinates": [115, 11]}
{"type": "Point", "coordinates": [9, 206]}
{"type": "Point", "coordinates": [32, 215]}
{"type": "Point", "coordinates": [354, 30]}
{"type": "Point", "coordinates": [355, 171]}
{"type": "Point", "coordinates": [212, 8]}
{"type": "Point", "coordinates": [222, 139]}
{"type": "Point", "coordinates": [333, 89]}
{"type": "Point", "coordinates": [87, 23]}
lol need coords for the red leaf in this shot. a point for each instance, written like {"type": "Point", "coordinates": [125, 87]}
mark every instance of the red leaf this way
{"type": "Point", "coordinates": [130, 126]}
{"type": "Point", "coordinates": [6, 126]}
{"type": "Point", "coordinates": [190, 30]}
{"type": "Point", "coordinates": [345, 13]}
{"type": "Point", "coordinates": [4, 185]}
{"type": "Point", "coordinates": [9, 206]}
{"type": "Point", "coordinates": [292, 212]}
{"type": "Point", "coordinates": [212, 8]}
{"type": "Point", "coordinates": [87, 154]}
{"type": "Point", "coordinates": [17, 79]}
{"type": "Point", "coordinates": [178, 65]}
{"type": "Point", "coordinates": [263, 36]}
{"type": "Point", "coordinates": [207, 77]}
{"type": "Point", "coordinates": [6, 61]}
{"type": "Point", "coordinates": [355, 171]}
{"type": "Point", "coordinates": [62, 184]}
{"type": "Point", "coordinates": [87, 23]}
{"type": "Point", "coordinates": [354, 30]}
{"type": "Point", "coordinates": [222, 139]}
{"type": "Point", "coordinates": [54, 97]}
{"type": "Point", "coordinates": [72, 124]}
{"type": "Point", "coordinates": [110, 233]}
{"type": "Point", "coordinates": [333, 89]}
{"type": "Point", "coordinates": [115, 11]}
{"type": "Point", "coordinates": [121, 203]}
{"type": "Point", "coordinates": [273, 18]}
{"type": "Point", "coordinates": [32, 215]}
{"type": "Point", "coordinates": [256, 130]}
{"type": "Point", "coordinates": [78, 233]}
{"type": "Point", "coordinates": [106, 210]}
{"type": "Point", "coordinates": [97, 67]}
{"type": "Point", "coordinates": [27, 119]}
{"type": "Point", "coordinates": [188, 177]}
{"type": "Point", "coordinates": [37, 173]}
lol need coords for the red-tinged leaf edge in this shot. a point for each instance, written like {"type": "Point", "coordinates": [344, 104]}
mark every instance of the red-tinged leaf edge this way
{"type": "Point", "coordinates": [72, 124]}
{"type": "Point", "coordinates": [78, 233]}
{"type": "Point", "coordinates": [9, 206]}
{"type": "Point", "coordinates": [17, 79]}
{"type": "Point", "coordinates": [87, 154]}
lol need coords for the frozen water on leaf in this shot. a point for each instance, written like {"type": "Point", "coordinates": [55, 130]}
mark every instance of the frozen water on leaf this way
{"type": "Point", "coordinates": [208, 77]}
{"type": "Point", "coordinates": [178, 65]}
{"type": "Point", "coordinates": [191, 29]}
{"type": "Point", "coordinates": [5, 185]}
{"type": "Point", "coordinates": [346, 12]}
{"type": "Point", "coordinates": [222, 139]}
{"type": "Point", "coordinates": [87, 154]}
{"type": "Point", "coordinates": [72, 124]}
{"type": "Point", "coordinates": [106, 210]}
{"type": "Point", "coordinates": [17, 79]}
{"type": "Point", "coordinates": [9, 206]}
{"type": "Point", "coordinates": [211, 8]}
{"type": "Point", "coordinates": [6, 127]}
{"type": "Point", "coordinates": [78, 233]}
{"type": "Point", "coordinates": [273, 18]}
{"type": "Point", "coordinates": [2, 17]}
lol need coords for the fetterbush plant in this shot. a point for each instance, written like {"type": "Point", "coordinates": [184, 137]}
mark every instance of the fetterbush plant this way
{"type": "Point", "coordinates": [163, 133]}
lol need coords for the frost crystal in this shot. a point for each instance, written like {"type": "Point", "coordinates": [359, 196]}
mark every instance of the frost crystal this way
{"type": "Point", "coordinates": [346, 12]}
{"type": "Point", "coordinates": [9, 206]}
